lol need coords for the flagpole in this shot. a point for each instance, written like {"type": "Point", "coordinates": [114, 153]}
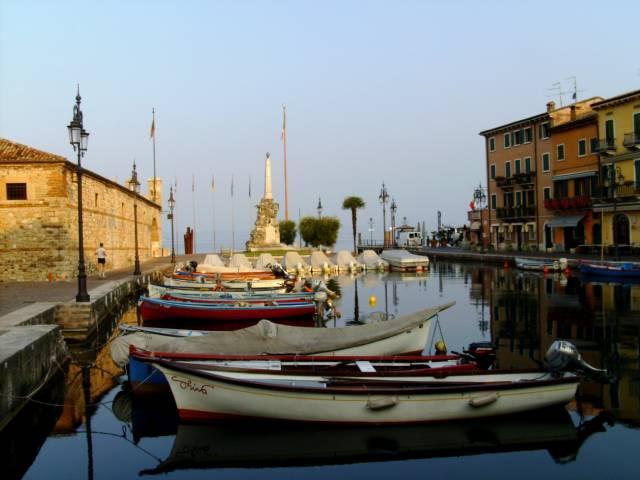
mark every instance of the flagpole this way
{"type": "Point", "coordinates": [193, 198]}
{"type": "Point", "coordinates": [284, 143]}
{"type": "Point", "coordinates": [250, 205]}
{"type": "Point", "coordinates": [213, 211]}
{"type": "Point", "coordinates": [175, 221]}
{"type": "Point", "coordinates": [153, 135]}
{"type": "Point", "coordinates": [233, 228]}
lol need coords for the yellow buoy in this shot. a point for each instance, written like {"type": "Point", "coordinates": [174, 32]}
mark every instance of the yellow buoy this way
{"type": "Point", "coordinates": [441, 347]}
{"type": "Point", "coordinates": [372, 301]}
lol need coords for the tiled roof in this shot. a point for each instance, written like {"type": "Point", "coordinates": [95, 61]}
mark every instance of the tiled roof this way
{"type": "Point", "coordinates": [12, 152]}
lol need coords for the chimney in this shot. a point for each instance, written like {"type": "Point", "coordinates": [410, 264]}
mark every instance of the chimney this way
{"type": "Point", "coordinates": [551, 106]}
{"type": "Point", "coordinates": [573, 112]}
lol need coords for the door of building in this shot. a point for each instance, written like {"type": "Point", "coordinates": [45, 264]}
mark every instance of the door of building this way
{"type": "Point", "coordinates": [621, 230]}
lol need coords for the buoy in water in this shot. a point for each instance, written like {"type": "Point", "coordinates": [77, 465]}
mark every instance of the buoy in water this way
{"type": "Point", "coordinates": [506, 265]}
{"type": "Point", "coordinates": [545, 269]}
{"type": "Point", "coordinates": [372, 301]}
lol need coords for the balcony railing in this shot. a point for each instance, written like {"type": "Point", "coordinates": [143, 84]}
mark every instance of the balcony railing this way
{"type": "Point", "coordinates": [516, 212]}
{"type": "Point", "coordinates": [607, 146]}
{"type": "Point", "coordinates": [632, 140]}
{"type": "Point", "coordinates": [573, 203]}
{"type": "Point", "coordinates": [504, 181]}
{"type": "Point", "coordinates": [524, 178]}
{"type": "Point", "coordinates": [628, 190]}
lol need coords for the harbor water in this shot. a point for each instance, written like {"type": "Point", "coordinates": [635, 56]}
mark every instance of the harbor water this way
{"type": "Point", "coordinates": [87, 424]}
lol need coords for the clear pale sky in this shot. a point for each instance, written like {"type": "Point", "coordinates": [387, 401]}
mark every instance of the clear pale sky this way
{"type": "Point", "coordinates": [393, 91]}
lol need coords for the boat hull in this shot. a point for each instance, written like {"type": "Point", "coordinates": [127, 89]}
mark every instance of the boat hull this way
{"type": "Point", "coordinates": [610, 271]}
{"type": "Point", "coordinates": [158, 310]}
{"type": "Point", "coordinates": [211, 397]}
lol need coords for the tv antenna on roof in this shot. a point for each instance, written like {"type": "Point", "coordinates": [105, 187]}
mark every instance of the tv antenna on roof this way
{"type": "Point", "coordinates": [556, 88]}
{"type": "Point", "coordinates": [574, 95]}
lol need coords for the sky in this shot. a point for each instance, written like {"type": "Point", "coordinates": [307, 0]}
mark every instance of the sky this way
{"type": "Point", "coordinates": [376, 91]}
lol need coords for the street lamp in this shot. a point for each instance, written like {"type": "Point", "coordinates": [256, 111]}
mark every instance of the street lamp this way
{"type": "Point", "coordinates": [371, 230]}
{"type": "Point", "coordinates": [319, 208]}
{"type": "Point", "coordinates": [384, 198]}
{"type": "Point", "coordinates": [480, 198]}
{"type": "Point", "coordinates": [134, 186]}
{"type": "Point", "coordinates": [613, 180]}
{"type": "Point", "coordinates": [393, 209]}
{"type": "Point", "coordinates": [79, 139]}
{"type": "Point", "coordinates": [172, 204]}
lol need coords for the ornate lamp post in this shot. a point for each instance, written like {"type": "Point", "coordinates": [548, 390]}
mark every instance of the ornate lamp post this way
{"type": "Point", "coordinates": [480, 198]}
{"type": "Point", "coordinates": [371, 230]}
{"type": "Point", "coordinates": [393, 209]}
{"type": "Point", "coordinates": [79, 139]}
{"type": "Point", "coordinates": [172, 204]}
{"type": "Point", "coordinates": [384, 198]}
{"type": "Point", "coordinates": [134, 186]}
{"type": "Point", "coordinates": [613, 180]}
{"type": "Point", "coordinates": [319, 208]}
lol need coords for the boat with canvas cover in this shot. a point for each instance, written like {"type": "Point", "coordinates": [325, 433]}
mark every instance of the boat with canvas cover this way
{"type": "Point", "coordinates": [627, 270]}
{"type": "Point", "coordinates": [404, 260]}
{"type": "Point", "coordinates": [158, 309]}
{"type": "Point", "coordinates": [205, 395]}
{"type": "Point", "coordinates": [406, 334]}
{"type": "Point", "coordinates": [372, 261]}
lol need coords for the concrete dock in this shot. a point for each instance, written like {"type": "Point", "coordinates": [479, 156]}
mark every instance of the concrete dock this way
{"type": "Point", "coordinates": [38, 318]}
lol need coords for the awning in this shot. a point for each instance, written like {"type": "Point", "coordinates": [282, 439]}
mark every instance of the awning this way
{"type": "Point", "coordinates": [569, 221]}
{"type": "Point", "coordinates": [475, 226]}
{"type": "Point", "coordinates": [568, 176]}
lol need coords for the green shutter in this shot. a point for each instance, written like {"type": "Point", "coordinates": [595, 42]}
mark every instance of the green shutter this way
{"type": "Point", "coordinates": [636, 124]}
{"type": "Point", "coordinates": [527, 165]}
{"type": "Point", "coordinates": [608, 126]}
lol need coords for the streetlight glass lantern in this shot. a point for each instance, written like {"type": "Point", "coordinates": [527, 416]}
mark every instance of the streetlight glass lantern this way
{"type": "Point", "coordinates": [84, 140]}
{"type": "Point", "coordinates": [393, 207]}
{"type": "Point", "coordinates": [171, 201]}
{"type": "Point", "coordinates": [75, 132]}
{"type": "Point", "coordinates": [134, 184]}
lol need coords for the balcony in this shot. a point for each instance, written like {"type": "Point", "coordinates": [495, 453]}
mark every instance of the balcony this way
{"type": "Point", "coordinates": [629, 189]}
{"type": "Point", "coordinates": [607, 146]}
{"type": "Point", "coordinates": [574, 203]}
{"type": "Point", "coordinates": [632, 141]}
{"type": "Point", "coordinates": [516, 212]}
{"type": "Point", "coordinates": [503, 182]}
{"type": "Point", "coordinates": [524, 178]}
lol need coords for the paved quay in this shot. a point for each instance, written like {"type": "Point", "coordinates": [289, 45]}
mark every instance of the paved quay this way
{"type": "Point", "coordinates": [459, 254]}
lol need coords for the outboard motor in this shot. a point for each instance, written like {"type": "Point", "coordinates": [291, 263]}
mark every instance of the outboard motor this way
{"type": "Point", "coordinates": [483, 353]}
{"type": "Point", "coordinates": [194, 265]}
{"type": "Point", "coordinates": [563, 356]}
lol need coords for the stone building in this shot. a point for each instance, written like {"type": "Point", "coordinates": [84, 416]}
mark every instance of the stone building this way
{"type": "Point", "coordinates": [39, 217]}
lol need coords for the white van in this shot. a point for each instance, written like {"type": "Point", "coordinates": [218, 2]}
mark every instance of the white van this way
{"type": "Point", "coordinates": [409, 239]}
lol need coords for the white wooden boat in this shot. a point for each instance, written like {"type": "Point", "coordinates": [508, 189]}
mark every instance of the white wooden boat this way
{"type": "Point", "coordinates": [208, 293]}
{"type": "Point", "coordinates": [320, 263]}
{"type": "Point", "coordinates": [372, 261]}
{"type": "Point", "coordinates": [403, 335]}
{"type": "Point", "coordinates": [404, 260]}
{"type": "Point", "coordinates": [541, 264]}
{"type": "Point", "coordinates": [201, 395]}
{"type": "Point", "coordinates": [276, 285]}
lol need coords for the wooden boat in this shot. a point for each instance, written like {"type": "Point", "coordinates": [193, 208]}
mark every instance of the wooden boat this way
{"type": "Point", "coordinates": [208, 293]}
{"type": "Point", "coordinates": [620, 271]}
{"type": "Point", "coordinates": [157, 309]}
{"type": "Point", "coordinates": [205, 446]}
{"type": "Point", "coordinates": [407, 334]}
{"type": "Point", "coordinates": [274, 284]}
{"type": "Point", "coordinates": [205, 395]}
{"type": "Point", "coordinates": [403, 260]}
{"type": "Point", "coordinates": [541, 264]}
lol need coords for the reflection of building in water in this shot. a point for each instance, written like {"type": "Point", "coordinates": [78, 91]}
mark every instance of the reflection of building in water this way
{"type": "Point", "coordinates": [480, 293]}
{"type": "Point", "coordinates": [529, 311]}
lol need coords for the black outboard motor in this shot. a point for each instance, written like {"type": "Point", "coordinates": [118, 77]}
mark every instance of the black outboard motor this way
{"type": "Point", "coordinates": [563, 356]}
{"type": "Point", "coordinates": [483, 353]}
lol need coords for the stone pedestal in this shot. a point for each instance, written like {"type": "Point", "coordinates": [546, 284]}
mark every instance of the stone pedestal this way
{"type": "Point", "coordinates": [266, 233]}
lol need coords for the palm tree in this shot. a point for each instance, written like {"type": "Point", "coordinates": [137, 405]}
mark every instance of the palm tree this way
{"type": "Point", "coordinates": [353, 204]}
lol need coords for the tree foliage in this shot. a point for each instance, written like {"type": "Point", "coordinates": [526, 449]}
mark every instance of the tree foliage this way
{"type": "Point", "coordinates": [353, 204]}
{"type": "Point", "coordinates": [288, 232]}
{"type": "Point", "coordinates": [319, 231]}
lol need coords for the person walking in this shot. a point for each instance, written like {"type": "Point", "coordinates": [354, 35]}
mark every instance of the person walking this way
{"type": "Point", "coordinates": [101, 253]}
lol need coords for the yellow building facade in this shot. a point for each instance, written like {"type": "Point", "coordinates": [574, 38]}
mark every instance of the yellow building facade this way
{"type": "Point", "coordinates": [619, 149]}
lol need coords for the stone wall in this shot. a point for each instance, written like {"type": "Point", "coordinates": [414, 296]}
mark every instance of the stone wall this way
{"type": "Point", "coordinates": [39, 236]}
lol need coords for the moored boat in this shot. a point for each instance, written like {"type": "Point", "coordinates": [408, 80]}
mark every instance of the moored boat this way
{"type": "Point", "coordinates": [621, 271]}
{"type": "Point", "coordinates": [541, 264]}
{"type": "Point", "coordinates": [157, 309]}
{"type": "Point", "coordinates": [208, 293]}
{"type": "Point", "coordinates": [404, 260]}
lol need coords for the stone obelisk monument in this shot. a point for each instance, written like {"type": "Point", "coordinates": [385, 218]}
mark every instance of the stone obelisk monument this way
{"type": "Point", "coordinates": [266, 232]}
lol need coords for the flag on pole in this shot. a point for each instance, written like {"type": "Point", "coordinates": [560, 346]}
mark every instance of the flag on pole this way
{"type": "Point", "coordinates": [232, 185]}
{"type": "Point", "coordinates": [213, 183]}
{"type": "Point", "coordinates": [284, 122]}
{"type": "Point", "coordinates": [193, 183]}
{"type": "Point", "coordinates": [152, 131]}
{"type": "Point", "coordinates": [249, 186]}
{"type": "Point", "coordinates": [472, 205]}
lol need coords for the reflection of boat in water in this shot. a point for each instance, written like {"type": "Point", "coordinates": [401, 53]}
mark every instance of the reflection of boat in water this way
{"type": "Point", "coordinates": [541, 264]}
{"type": "Point", "coordinates": [246, 446]}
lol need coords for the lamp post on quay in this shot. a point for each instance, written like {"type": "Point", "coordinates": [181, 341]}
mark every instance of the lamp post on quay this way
{"type": "Point", "coordinates": [134, 186]}
{"type": "Point", "coordinates": [79, 139]}
{"type": "Point", "coordinates": [172, 204]}
{"type": "Point", "coordinates": [480, 198]}
{"type": "Point", "coordinates": [393, 209]}
{"type": "Point", "coordinates": [371, 230]}
{"type": "Point", "coordinates": [384, 198]}
{"type": "Point", "coordinates": [319, 208]}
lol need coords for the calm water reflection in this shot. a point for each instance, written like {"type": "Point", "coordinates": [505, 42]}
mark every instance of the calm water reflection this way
{"type": "Point", "coordinates": [522, 313]}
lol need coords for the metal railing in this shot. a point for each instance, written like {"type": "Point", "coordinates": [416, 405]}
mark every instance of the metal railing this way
{"type": "Point", "coordinates": [606, 145]}
{"type": "Point", "coordinates": [631, 139]}
{"type": "Point", "coordinates": [630, 189]}
{"type": "Point", "coordinates": [566, 203]}
{"type": "Point", "coordinates": [516, 212]}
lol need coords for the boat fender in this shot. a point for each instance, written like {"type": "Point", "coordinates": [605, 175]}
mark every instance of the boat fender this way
{"type": "Point", "coordinates": [484, 400]}
{"type": "Point", "coordinates": [382, 403]}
